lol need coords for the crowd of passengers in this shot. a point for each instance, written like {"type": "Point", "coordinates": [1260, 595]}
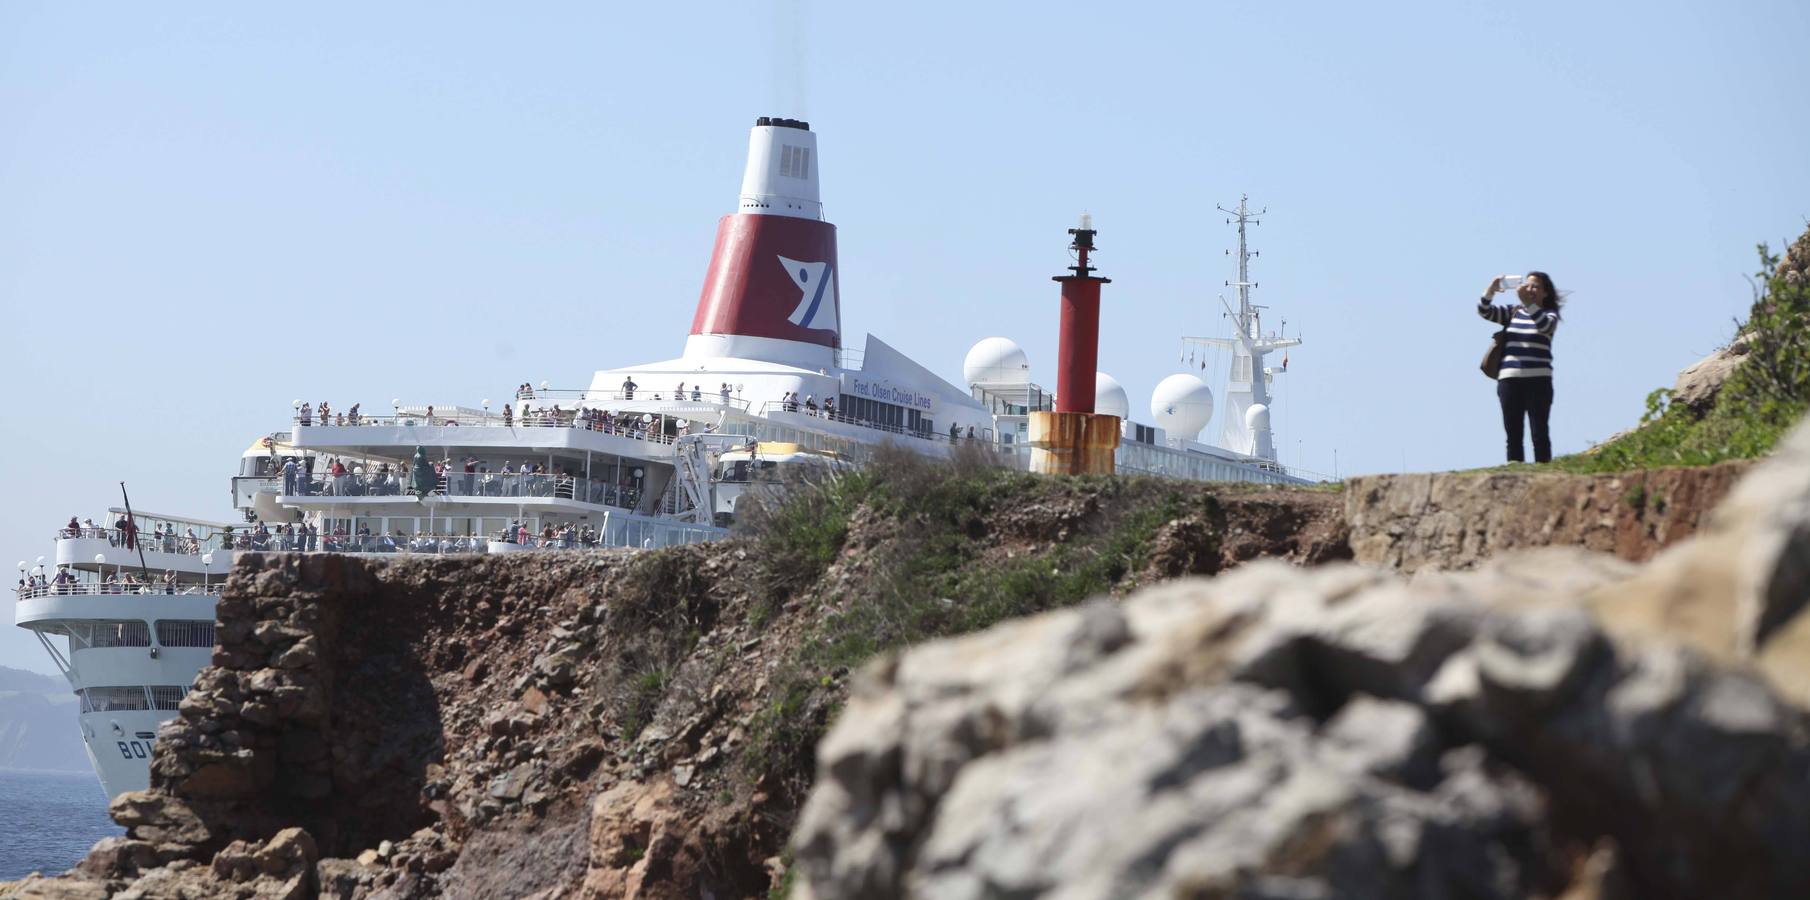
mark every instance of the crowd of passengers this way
{"type": "Point", "coordinates": [550, 537]}
{"type": "Point", "coordinates": [126, 533]}
{"type": "Point", "coordinates": [307, 413]}
{"type": "Point", "coordinates": [306, 538]}
{"type": "Point", "coordinates": [36, 584]}
{"type": "Point", "coordinates": [472, 478]}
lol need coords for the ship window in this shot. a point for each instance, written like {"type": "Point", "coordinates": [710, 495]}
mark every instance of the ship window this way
{"type": "Point", "coordinates": [117, 699]}
{"type": "Point", "coordinates": [185, 633]}
{"type": "Point", "coordinates": [92, 634]}
{"type": "Point", "coordinates": [167, 696]}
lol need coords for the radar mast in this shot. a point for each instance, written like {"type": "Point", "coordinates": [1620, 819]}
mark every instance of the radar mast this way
{"type": "Point", "coordinates": [1245, 420]}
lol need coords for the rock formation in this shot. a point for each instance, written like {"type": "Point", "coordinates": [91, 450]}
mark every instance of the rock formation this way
{"type": "Point", "coordinates": [642, 725]}
{"type": "Point", "coordinates": [1346, 732]}
{"type": "Point", "coordinates": [1456, 520]}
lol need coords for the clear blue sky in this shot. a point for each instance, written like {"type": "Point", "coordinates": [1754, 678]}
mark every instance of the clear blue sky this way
{"type": "Point", "coordinates": [208, 212]}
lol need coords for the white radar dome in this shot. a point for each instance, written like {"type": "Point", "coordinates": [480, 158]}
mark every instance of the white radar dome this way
{"type": "Point", "coordinates": [1109, 397]}
{"type": "Point", "coordinates": [1257, 418]}
{"type": "Point", "coordinates": [1182, 405]}
{"type": "Point", "coordinates": [996, 360]}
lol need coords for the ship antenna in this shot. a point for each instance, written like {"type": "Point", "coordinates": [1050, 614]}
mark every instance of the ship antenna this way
{"type": "Point", "coordinates": [1247, 380]}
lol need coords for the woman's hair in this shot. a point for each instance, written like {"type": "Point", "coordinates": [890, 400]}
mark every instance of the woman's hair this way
{"type": "Point", "coordinates": [1552, 300]}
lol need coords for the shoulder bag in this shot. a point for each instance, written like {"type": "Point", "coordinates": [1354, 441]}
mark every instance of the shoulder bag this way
{"type": "Point", "coordinates": [1492, 358]}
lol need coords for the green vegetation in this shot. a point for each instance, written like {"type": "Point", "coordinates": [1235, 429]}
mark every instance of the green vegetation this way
{"type": "Point", "coordinates": [644, 697]}
{"type": "Point", "coordinates": [930, 572]}
{"type": "Point", "coordinates": [1763, 398]}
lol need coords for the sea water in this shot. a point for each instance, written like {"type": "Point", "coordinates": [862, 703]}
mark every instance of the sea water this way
{"type": "Point", "coordinates": [48, 820]}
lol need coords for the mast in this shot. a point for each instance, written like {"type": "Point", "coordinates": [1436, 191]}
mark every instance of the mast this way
{"type": "Point", "coordinates": [1245, 420]}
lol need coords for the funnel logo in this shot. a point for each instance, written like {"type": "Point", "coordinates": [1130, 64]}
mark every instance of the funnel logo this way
{"type": "Point", "coordinates": [817, 301]}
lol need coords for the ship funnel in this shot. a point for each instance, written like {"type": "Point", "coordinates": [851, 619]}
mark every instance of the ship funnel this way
{"type": "Point", "coordinates": [771, 291]}
{"type": "Point", "coordinates": [781, 177]}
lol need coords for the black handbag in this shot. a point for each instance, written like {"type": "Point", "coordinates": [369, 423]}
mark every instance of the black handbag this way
{"type": "Point", "coordinates": [1492, 358]}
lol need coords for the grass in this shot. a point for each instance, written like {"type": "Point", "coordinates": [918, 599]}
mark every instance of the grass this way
{"type": "Point", "coordinates": [1761, 401]}
{"type": "Point", "coordinates": [644, 697]}
{"type": "Point", "coordinates": [934, 573]}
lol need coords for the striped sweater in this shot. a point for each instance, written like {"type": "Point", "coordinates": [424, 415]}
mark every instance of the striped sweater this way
{"type": "Point", "coordinates": [1529, 350]}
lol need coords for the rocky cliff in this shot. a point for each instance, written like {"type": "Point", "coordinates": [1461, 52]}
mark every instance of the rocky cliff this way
{"type": "Point", "coordinates": [1556, 723]}
{"type": "Point", "coordinates": [615, 724]}
{"type": "Point", "coordinates": [645, 725]}
{"type": "Point", "coordinates": [1456, 520]}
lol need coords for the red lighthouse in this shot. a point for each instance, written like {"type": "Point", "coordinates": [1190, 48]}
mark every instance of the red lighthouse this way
{"type": "Point", "coordinates": [1073, 439]}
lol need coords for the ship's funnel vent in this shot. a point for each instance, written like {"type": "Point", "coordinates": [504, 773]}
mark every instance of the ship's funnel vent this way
{"type": "Point", "coordinates": [773, 274]}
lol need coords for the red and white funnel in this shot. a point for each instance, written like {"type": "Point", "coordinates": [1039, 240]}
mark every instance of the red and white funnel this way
{"type": "Point", "coordinates": [770, 293]}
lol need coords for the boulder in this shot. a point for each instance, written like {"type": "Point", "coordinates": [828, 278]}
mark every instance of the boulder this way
{"type": "Point", "coordinates": [1338, 732]}
{"type": "Point", "coordinates": [1699, 383]}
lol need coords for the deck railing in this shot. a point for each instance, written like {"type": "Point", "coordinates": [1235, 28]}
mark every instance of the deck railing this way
{"type": "Point", "coordinates": [153, 543]}
{"type": "Point", "coordinates": [529, 486]}
{"type": "Point", "coordinates": [932, 435]}
{"type": "Point", "coordinates": [91, 589]}
{"type": "Point", "coordinates": [544, 411]}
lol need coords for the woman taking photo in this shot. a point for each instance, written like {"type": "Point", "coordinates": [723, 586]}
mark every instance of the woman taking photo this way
{"type": "Point", "coordinates": [1524, 383]}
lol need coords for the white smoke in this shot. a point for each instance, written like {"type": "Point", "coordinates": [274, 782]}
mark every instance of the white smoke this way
{"type": "Point", "coordinates": [788, 49]}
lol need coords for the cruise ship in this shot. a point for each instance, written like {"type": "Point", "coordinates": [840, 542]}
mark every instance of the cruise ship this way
{"type": "Point", "coordinates": [126, 611]}
{"type": "Point", "coordinates": [763, 392]}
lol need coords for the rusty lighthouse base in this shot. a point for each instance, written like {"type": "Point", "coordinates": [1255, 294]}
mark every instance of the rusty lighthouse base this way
{"type": "Point", "coordinates": [1073, 443]}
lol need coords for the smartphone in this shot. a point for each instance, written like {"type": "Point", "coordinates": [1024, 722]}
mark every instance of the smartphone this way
{"type": "Point", "coordinates": [1510, 282]}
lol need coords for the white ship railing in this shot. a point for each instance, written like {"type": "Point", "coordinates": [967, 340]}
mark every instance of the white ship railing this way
{"type": "Point", "coordinates": [932, 435]}
{"type": "Point", "coordinates": [213, 540]}
{"type": "Point", "coordinates": [542, 485]}
{"type": "Point", "coordinates": [540, 414]}
{"type": "Point", "coordinates": [89, 589]}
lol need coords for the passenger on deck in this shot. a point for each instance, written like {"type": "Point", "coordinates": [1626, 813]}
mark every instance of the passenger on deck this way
{"type": "Point", "coordinates": [508, 416]}
{"type": "Point", "coordinates": [724, 393]}
{"type": "Point", "coordinates": [169, 581]}
{"type": "Point", "coordinates": [307, 414]}
{"type": "Point", "coordinates": [289, 477]}
{"type": "Point", "coordinates": [73, 529]}
{"type": "Point", "coordinates": [628, 388]}
{"type": "Point", "coordinates": [696, 395]}
{"type": "Point", "coordinates": [955, 431]}
{"type": "Point", "coordinates": [324, 412]}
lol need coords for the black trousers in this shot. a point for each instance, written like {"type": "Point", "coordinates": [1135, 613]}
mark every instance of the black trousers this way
{"type": "Point", "coordinates": [1529, 398]}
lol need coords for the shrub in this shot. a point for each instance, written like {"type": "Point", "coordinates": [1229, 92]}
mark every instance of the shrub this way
{"type": "Point", "coordinates": [1762, 399]}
